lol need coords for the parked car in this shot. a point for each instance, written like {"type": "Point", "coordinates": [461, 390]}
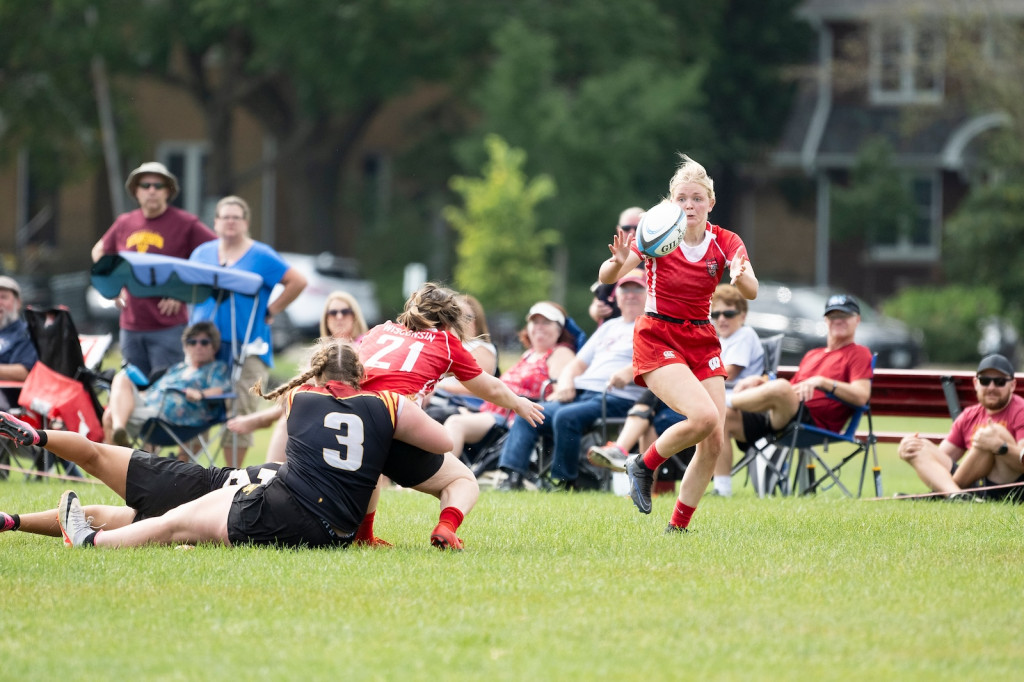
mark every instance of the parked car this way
{"type": "Point", "coordinates": [798, 312]}
{"type": "Point", "coordinates": [325, 273]}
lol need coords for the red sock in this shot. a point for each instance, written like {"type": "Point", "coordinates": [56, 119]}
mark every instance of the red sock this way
{"type": "Point", "coordinates": [451, 517]}
{"type": "Point", "coordinates": [682, 514]}
{"type": "Point", "coordinates": [365, 531]}
{"type": "Point", "coordinates": [653, 460]}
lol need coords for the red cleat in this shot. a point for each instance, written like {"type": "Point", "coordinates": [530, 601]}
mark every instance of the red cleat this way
{"type": "Point", "coordinates": [373, 542]}
{"type": "Point", "coordinates": [444, 537]}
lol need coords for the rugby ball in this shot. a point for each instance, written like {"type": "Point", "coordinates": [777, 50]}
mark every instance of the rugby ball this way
{"type": "Point", "coordinates": [660, 230]}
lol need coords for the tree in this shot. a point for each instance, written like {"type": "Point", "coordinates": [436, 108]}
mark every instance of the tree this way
{"type": "Point", "coordinates": [981, 239]}
{"type": "Point", "coordinates": [502, 254]}
{"type": "Point", "coordinates": [314, 77]}
{"type": "Point", "coordinates": [602, 97]}
{"type": "Point", "coordinates": [876, 207]}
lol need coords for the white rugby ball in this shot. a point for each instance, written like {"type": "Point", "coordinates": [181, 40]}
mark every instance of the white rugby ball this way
{"type": "Point", "coordinates": [660, 230]}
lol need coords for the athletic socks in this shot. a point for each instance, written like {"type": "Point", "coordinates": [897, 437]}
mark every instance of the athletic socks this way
{"type": "Point", "coordinates": [9, 522]}
{"type": "Point", "coordinates": [652, 459]}
{"type": "Point", "coordinates": [723, 485]}
{"type": "Point", "coordinates": [682, 514]}
{"type": "Point", "coordinates": [451, 517]}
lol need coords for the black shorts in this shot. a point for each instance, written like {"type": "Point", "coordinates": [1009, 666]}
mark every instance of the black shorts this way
{"type": "Point", "coordinates": [269, 515]}
{"type": "Point", "coordinates": [757, 425]}
{"type": "Point", "coordinates": [408, 465]}
{"type": "Point", "coordinates": [1008, 494]}
{"type": "Point", "coordinates": [155, 485]}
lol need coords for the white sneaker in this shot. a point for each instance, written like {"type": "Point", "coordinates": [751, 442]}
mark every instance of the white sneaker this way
{"type": "Point", "coordinates": [73, 525]}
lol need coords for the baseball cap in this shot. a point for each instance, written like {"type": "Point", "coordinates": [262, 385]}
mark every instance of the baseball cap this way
{"type": "Point", "coordinates": [548, 311]}
{"type": "Point", "coordinates": [996, 362]}
{"type": "Point", "coordinates": [635, 276]}
{"type": "Point", "coordinates": [132, 183]}
{"type": "Point", "coordinates": [9, 283]}
{"type": "Point", "coordinates": [842, 303]}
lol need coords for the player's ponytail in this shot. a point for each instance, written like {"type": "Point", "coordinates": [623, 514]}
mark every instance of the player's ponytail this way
{"type": "Point", "coordinates": [432, 306]}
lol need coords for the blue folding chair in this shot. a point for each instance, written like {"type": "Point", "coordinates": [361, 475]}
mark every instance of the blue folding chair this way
{"type": "Point", "coordinates": [771, 459]}
{"type": "Point", "coordinates": [812, 442]}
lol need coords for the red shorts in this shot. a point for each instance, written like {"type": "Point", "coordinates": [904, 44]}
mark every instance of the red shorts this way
{"type": "Point", "coordinates": [657, 343]}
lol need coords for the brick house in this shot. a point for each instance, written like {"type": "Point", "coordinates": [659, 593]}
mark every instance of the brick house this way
{"type": "Point", "coordinates": [882, 68]}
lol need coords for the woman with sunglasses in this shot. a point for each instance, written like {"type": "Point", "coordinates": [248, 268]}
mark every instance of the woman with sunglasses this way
{"type": "Point", "coordinates": [342, 318]}
{"type": "Point", "coordinates": [178, 396]}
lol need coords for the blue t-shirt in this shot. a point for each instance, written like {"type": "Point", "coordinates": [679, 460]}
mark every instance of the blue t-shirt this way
{"type": "Point", "coordinates": [265, 262]}
{"type": "Point", "coordinates": [16, 345]}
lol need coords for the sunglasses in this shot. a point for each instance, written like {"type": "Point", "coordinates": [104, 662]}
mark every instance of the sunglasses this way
{"type": "Point", "coordinates": [153, 185]}
{"type": "Point", "coordinates": [340, 312]}
{"type": "Point", "coordinates": [727, 314]}
{"type": "Point", "coordinates": [998, 381]}
{"type": "Point", "coordinates": [200, 342]}
{"type": "Point", "coordinates": [627, 228]}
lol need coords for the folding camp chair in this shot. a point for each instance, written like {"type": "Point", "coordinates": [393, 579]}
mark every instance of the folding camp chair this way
{"type": "Point", "coordinates": [61, 389]}
{"type": "Point", "coordinates": [810, 445]}
{"type": "Point", "coordinates": [192, 441]}
{"type": "Point", "coordinates": [762, 460]}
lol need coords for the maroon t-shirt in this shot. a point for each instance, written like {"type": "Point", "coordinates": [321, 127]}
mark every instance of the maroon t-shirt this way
{"type": "Point", "coordinates": [173, 233]}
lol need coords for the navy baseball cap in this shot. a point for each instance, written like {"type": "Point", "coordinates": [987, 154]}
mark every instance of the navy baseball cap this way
{"type": "Point", "coordinates": [996, 362]}
{"type": "Point", "coordinates": [842, 303]}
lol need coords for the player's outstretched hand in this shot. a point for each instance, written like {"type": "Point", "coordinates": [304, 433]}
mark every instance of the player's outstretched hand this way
{"type": "Point", "coordinates": [530, 411]}
{"type": "Point", "coordinates": [737, 267]}
{"type": "Point", "coordinates": [620, 246]}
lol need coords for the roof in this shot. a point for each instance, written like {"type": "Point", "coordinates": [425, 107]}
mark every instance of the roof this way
{"type": "Point", "coordinates": [840, 10]}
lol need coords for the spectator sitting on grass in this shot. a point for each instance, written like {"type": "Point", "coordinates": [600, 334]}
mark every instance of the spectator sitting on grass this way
{"type": "Point", "coordinates": [984, 444]}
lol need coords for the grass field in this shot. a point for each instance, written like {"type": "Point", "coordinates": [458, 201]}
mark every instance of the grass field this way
{"type": "Point", "coordinates": [552, 586]}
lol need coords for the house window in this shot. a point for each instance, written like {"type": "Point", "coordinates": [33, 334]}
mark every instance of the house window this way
{"type": "Point", "coordinates": [907, 64]}
{"type": "Point", "coordinates": [918, 239]}
{"type": "Point", "coordinates": [188, 161]}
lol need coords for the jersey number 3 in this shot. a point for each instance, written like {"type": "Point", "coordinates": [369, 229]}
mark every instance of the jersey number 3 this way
{"type": "Point", "coordinates": [352, 441]}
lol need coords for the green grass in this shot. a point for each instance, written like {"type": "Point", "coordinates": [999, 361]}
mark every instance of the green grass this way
{"type": "Point", "coordinates": [551, 587]}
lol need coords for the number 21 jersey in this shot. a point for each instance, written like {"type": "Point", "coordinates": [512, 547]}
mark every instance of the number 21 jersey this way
{"type": "Point", "coordinates": [411, 363]}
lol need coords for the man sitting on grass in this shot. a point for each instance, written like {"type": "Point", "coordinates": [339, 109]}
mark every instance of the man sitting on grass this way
{"type": "Point", "coordinates": [984, 444]}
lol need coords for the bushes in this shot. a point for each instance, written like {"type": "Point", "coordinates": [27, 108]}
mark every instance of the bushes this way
{"type": "Point", "coordinates": [949, 318]}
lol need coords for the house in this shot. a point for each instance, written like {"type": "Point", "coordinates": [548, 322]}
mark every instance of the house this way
{"type": "Point", "coordinates": [883, 68]}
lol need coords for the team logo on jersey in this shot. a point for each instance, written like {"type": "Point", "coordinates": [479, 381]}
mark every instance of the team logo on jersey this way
{"type": "Point", "coordinates": [715, 362]}
{"type": "Point", "coordinates": [668, 354]}
{"type": "Point", "coordinates": [142, 240]}
{"type": "Point", "coordinates": [712, 266]}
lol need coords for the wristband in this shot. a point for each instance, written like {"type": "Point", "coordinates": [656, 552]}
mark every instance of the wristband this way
{"type": "Point", "coordinates": [834, 386]}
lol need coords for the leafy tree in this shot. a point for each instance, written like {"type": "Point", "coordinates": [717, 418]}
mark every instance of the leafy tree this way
{"type": "Point", "coordinates": [877, 205]}
{"type": "Point", "coordinates": [950, 318]}
{"type": "Point", "coordinates": [602, 97]}
{"type": "Point", "coordinates": [980, 239]}
{"type": "Point", "coordinates": [314, 77]}
{"type": "Point", "coordinates": [47, 103]}
{"type": "Point", "coordinates": [502, 253]}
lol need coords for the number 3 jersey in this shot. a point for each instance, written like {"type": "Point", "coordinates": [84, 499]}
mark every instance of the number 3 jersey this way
{"type": "Point", "coordinates": [338, 442]}
{"type": "Point", "coordinates": [411, 363]}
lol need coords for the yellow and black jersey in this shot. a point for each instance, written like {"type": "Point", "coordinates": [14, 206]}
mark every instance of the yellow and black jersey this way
{"type": "Point", "coordinates": [338, 442]}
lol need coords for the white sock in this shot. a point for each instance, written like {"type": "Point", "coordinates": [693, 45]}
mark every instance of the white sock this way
{"type": "Point", "coordinates": [723, 485]}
